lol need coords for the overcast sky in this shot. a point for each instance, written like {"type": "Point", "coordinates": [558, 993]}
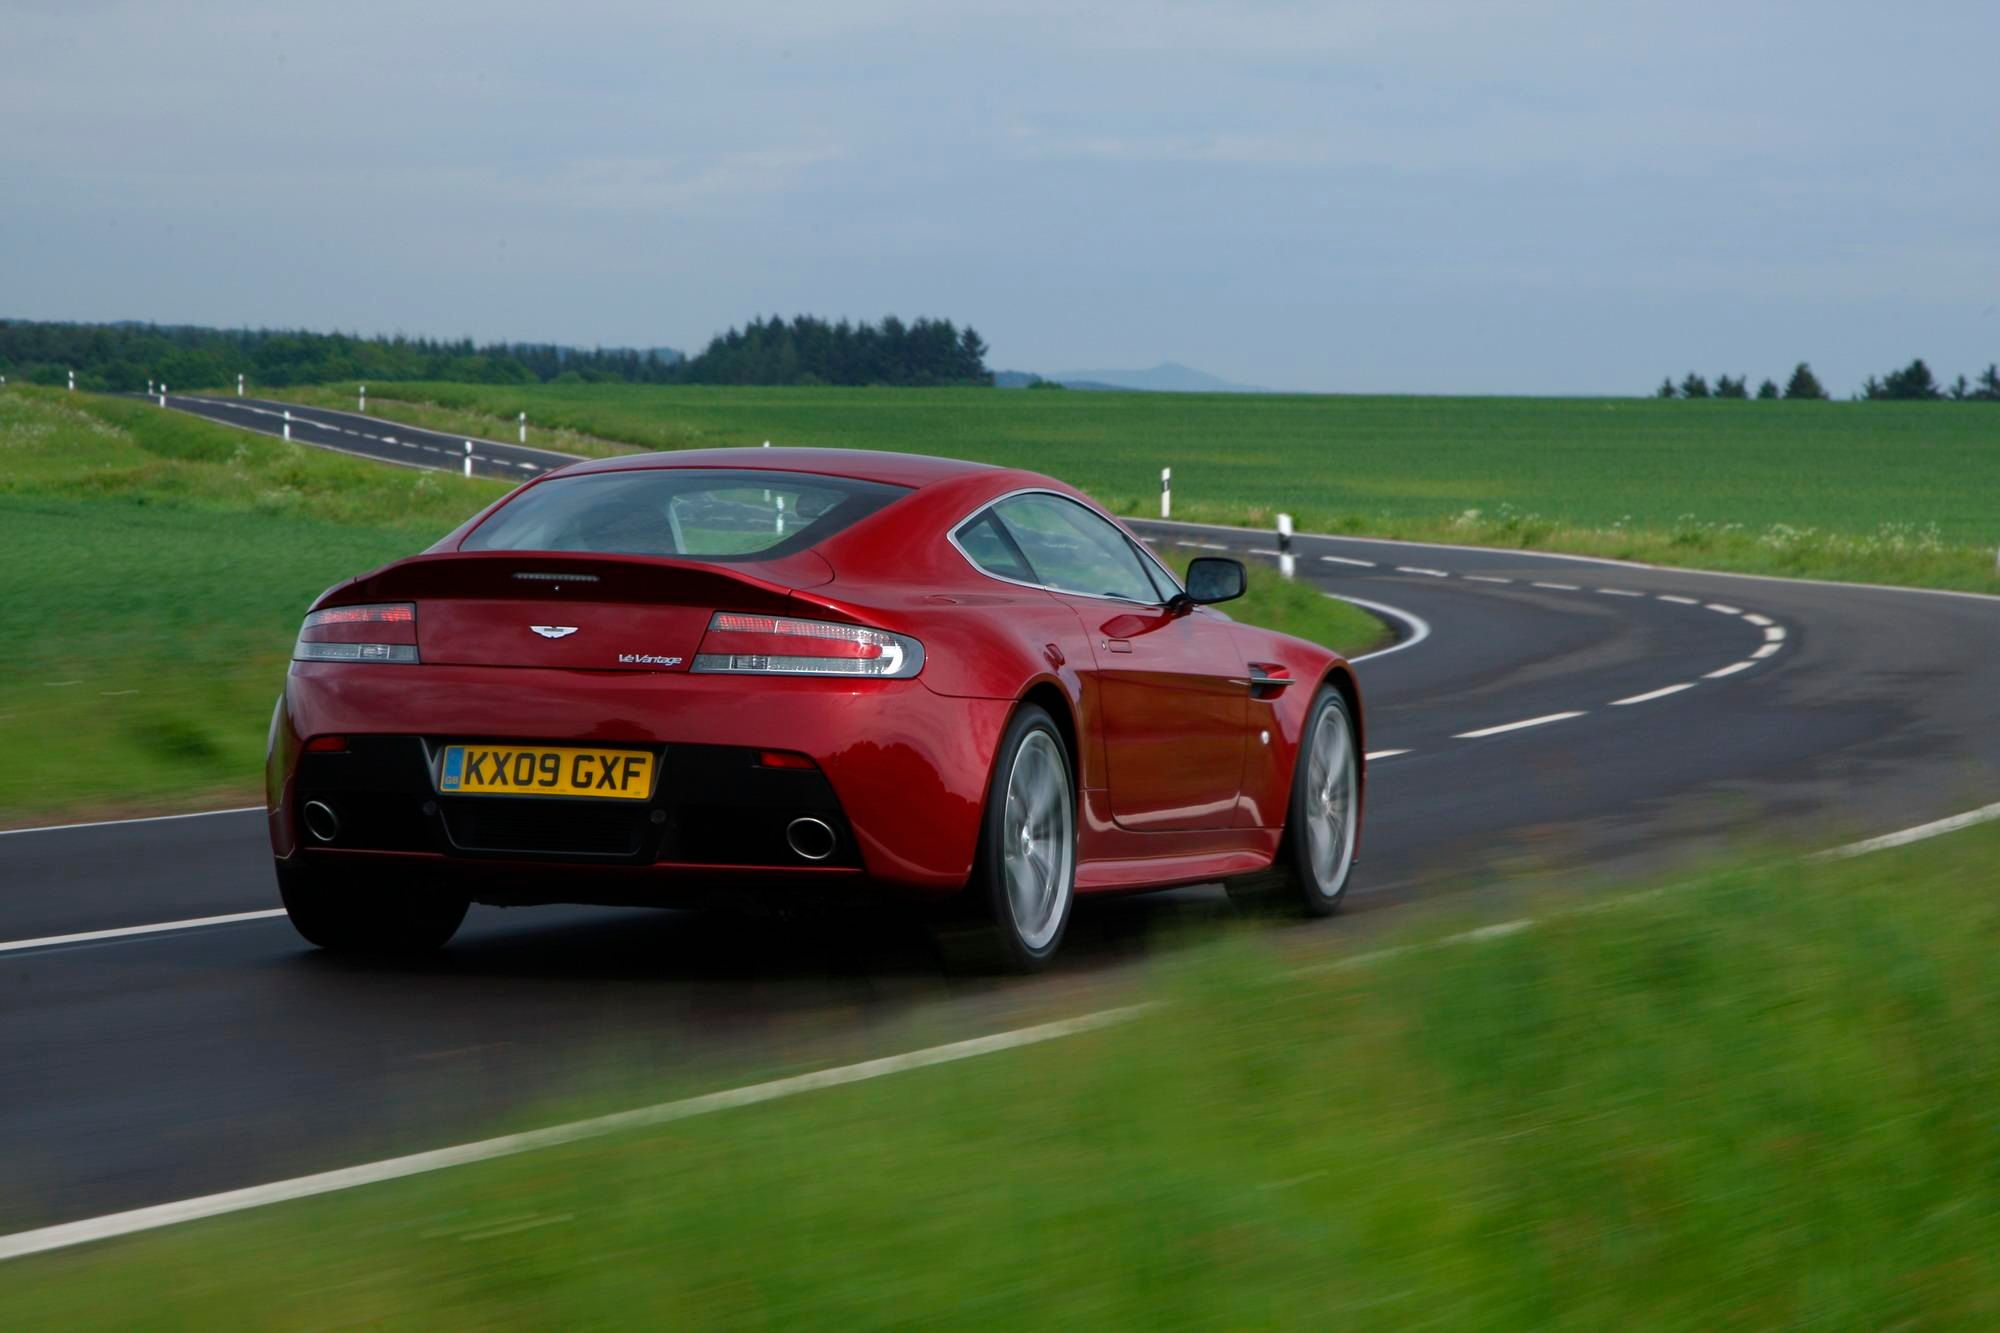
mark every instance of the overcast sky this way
{"type": "Point", "coordinates": [1460, 196]}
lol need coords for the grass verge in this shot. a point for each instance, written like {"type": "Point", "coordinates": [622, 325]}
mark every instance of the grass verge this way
{"type": "Point", "coordinates": [1764, 1099]}
{"type": "Point", "coordinates": [1875, 492]}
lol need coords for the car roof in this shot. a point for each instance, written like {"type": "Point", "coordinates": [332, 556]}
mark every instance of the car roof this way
{"type": "Point", "coordinates": [895, 469]}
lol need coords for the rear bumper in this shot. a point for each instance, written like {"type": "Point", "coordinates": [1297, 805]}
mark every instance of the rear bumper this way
{"type": "Point", "coordinates": [901, 777]}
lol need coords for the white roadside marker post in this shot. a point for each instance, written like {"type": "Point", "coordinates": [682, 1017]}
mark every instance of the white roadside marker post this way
{"type": "Point", "coordinates": [149, 388]}
{"type": "Point", "coordinates": [163, 393]}
{"type": "Point", "coordinates": [778, 525]}
{"type": "Point", "coordinates": [524, 428]}
{"type": "Point", "coordinates": [468, 458]}
{"type": "Point", "coordinates": [239, 386]}
{"type": "Point", "coordinates": [72, 381]}
{"type": "Point", "coordinates": [1287, 562]}
{"type": "Point", "coordinates": [767, 444]}
{"type": "Point", "coordinates": [288, 423]}
{"type": "Point", "coordinates": [362, 406]}
{"type": "Point", "coordinates": [1166, 492]}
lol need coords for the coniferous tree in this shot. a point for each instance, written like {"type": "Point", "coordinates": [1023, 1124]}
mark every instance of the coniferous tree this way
{"type": "Point", "coordinates": [1725, 387]}
{"type": "Point", "coordinates": [1804, 384]}
{"type": "Point", "coordinates": [1694, 386]}
{"type": "Point", "coordinates": [1767, 390]}
{"type": "Point", "coordinates": [1988, 385]}
{"type": "Point", "coordinates": [1666, 389]}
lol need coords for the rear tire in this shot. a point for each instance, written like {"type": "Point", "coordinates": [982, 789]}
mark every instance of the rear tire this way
{"type": "Point", "coordinates": [1017, 905]}
{"type": "Point", "coordinates": [387, 915]}
{"type": "Point", "coordinates": [1315, 860]}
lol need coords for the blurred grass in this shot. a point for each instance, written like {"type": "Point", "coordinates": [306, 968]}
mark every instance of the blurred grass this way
{"type": "Point", "coordinates": [1764, 1099]}
{"type": "Point", "coordinates": [157, 567]}
{"type": "Point", "coordinates": [1882, 492]}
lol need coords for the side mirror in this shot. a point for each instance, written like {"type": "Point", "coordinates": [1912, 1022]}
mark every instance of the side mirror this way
{"type": "Point", "coordinates": [1214, 579]}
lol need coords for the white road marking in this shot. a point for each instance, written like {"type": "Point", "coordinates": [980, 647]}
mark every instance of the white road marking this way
{"type": "Point", "coordinates": [142, 819]}
{"type": "Point", "coordinates": [1485, 578]}
{"type": "Point", "coordinates": [1384, 754]}
{"type": "Point", "coordinates": [1904, 837]}
{"type": "Point", "coordinates": [1262, 550]}
{"type": "Point", "coordinates": [1681, 601]}
{"type": "Point", "coordinates": [1767, 650]}
{"type": "Point", "coordinates": [1343, 560]}
{"type": "Point", "coordinates": [122, 932]}
{"type": "Point", "coordinates": [527, 467]}
{"type": "Point", "coordinates": [1620, 592]}
{"type": "Point", "coordinates": [1756, 619]}
{"type": "Point", "coordinates": [1209, 546]}
{"type": "Point", "coordinates": [1427, 573]}
{"type": "Point", "coordinates": [1420, 628]}
{"type": "Point", "coordinates": [1775, 633]}
{"type": "Point", "coordinates": [1517, 726]}
{"type": "Point", "coordinates": [1726, 610]}
{"type": "Point", "coordinates": [1652, 695]}
{"type": "Point", "coordinates": [43, 1239]}
{"type": "Point", "coordinates": [1560, 587]}
{"type": "Point", "coordinates": [1729, 670]}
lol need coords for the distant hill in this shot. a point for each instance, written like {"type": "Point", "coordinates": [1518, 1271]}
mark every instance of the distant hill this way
{"type": "Point", "coordinates": [1167, 377]}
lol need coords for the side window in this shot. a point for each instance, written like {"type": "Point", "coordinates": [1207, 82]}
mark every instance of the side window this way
{"type": "Point", "coordinates": [1075, 550]}
{"type": "Point", "coordinates": [989, 546]}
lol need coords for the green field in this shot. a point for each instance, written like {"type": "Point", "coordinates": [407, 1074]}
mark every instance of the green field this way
{"type": "Point", "coordinates": [1763, 1100]}
{"type": "Point", "coordinates": [158, 565]}
{"type": "Point", "coordinates": [1895, 492]}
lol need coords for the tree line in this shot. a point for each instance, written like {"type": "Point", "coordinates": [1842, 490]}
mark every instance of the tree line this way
{"type": "Point", "coordinates": [806, 350]}
{"type": "Point", "coordinates": [809, 350]}
{"type": "Point", "coordinates": [1913, 383]}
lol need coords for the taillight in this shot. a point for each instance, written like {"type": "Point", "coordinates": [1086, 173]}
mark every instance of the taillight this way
{"type": "Point", "coordinates": [750, 645]}
{"type": "Point", "coordinates": [384, 633]}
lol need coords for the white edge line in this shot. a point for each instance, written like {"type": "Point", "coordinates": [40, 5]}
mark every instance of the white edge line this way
{"type": "Point", "coordinates": [1383, 754]}
{"type": "Point", "coordinates": [1543, 720]}
{"type": "Point", "coordinates": [1653, 694]}
{"type": "Point", "coordinates": [122, 932]}
{"type": "Point", "coordinates": [1420, 628]}
{"type": "Point", "coordinates": [1729, 670]}
{"type": "Point", "coordinates": [63, 1235]}
{"type": "Point", "coordinates": [1903, 837]}
{"type": "Point", "coordinates": [141, 819]}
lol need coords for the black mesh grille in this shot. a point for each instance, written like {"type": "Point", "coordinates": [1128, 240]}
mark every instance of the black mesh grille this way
{"type": "Point", "coordinates": [571, 828]}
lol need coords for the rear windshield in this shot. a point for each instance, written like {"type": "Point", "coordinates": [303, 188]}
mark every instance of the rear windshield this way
{"type": "Point", "coordinates": [706, 513]}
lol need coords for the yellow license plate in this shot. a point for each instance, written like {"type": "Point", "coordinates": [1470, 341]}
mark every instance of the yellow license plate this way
{"type": "Point", "coordinates": [543, 770]}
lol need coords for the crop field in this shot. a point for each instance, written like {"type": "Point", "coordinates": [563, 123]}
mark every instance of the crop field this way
{"type": "Point", "coordinates": [158, 565]}
{"type": "Point", "coordinates": [1764, 1100]}
{"type": "Point", "coordinates": [1892, 492]}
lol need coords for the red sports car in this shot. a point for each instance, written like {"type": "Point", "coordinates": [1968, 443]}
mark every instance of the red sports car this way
{"type": "Point", "coordinates": [678, 678]}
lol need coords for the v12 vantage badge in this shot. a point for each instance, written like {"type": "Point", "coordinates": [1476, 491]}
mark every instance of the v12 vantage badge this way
{"type": "Point", "coordinates": [647, 659]}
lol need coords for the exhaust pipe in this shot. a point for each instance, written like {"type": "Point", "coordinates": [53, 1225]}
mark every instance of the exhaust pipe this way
{"type": "Point", "coordinates": [321, 822]}
{"type": "Point", "coordinates": [810, 839]}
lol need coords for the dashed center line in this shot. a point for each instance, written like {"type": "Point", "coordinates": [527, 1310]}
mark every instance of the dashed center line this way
{"type": "Point", "coordinates": [1427, 573]}
{"type": "Point", "coordinates": [1486, 578]}
{"type": "Point", "coordinates": [1729, 670]}
{"type": "Point", "coordinates": [1559, 587]}
{"type": "Point", "coordinates": [1767, 650]}
{"type": "Point", "coordinates": [1620, 592]}
{"type": "Point", "coordinates": [1774, 633]}
{"type": "Point", "coordinates": [1756, 619]}
{"type": "Point", "coordinates": [1385, 754]}
{"type": "Point", "coordinates": [1679, 601]}
{"type": "Point", "coordinates": [1345, 560]}
{"type": "Point", "coordinates": [1725, 610]}
{"type": "Point", "coordinates": [1518, 726]}
{"type": "Point", "coordinates": [1651, 695]}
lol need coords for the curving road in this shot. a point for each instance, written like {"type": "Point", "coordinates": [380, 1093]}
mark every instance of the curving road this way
{"type": "Point", "coordinates": [1574, 716]}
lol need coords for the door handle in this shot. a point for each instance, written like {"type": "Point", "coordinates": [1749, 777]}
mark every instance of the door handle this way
{"type": "Point", "coordinates": [1117, 645]}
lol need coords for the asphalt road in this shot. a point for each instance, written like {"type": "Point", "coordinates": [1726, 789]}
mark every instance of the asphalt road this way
{"type": "Point", "coordinates": [141, 1069]}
